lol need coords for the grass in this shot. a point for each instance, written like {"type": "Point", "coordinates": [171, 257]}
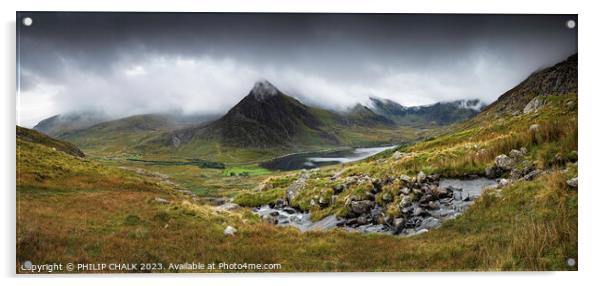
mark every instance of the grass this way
{"type": "Point", "coordinates": [513, 230]}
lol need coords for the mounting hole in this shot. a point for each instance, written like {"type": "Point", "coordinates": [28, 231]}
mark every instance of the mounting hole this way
{"type": "Point", "coordinates": [27, 21]}
{"type": "Point", "coordinates": [571, 24]}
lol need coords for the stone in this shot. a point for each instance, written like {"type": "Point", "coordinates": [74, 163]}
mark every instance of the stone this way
{"type": "Point", "coordinates": [230, 231]}
{"type": "Point", "coordinates": [534, 105]}
{"type": "Point", "coordinates": [398, 225]}
{"type": "Point", "coordinates": [492, 172]}
{"type": "Point", "coordinates": [419, 212]}
{"type": "Point", "coordinates": [161, 200]}
{"type": "Point", "coordinates": [397, 155]}
{"type": "Point", "coordinates": [323, 202]}
{"type": "Point", "coordinates": [406, 191]}
{"type": "Point", "coordinates": [361, 207]}
{"type": "Point", "coordinates": [297, 186]}
{"type": "Point", "coordinates": [289, 210]}
{"type": "Point", "coordinates": [362, 220]}
{"type": "Point", "coordinates": [338, 189]}
{"type": "Point", "coordinates": [377, 184]}
{"type": "Point", "coordinates": [531, 175]}
{"type": "Point", "coordinates": [524, 150]}
{"type": "Point", "coordinates": [420, 177]}
{"type": "Point", "coordinates": [504, 162]}
{"type": "Point", "coordinates": [405, 178]}
{"type": "Point", "coordinates": [515, 154]}
{"type": "Point", "coordinates": [405, 201]}
{"type": "Point", "coordinates": [458, 195]}
{"type": "Point", "coordinates": [572, 182]}
{"type": "Point", "coordinates": [227, 207]}
{"type": "Point", "coordinates": [429, 223]}
{"type": "Point", "coordinates": [387, 197]}
{"type": "Point", "coordinates": [534, 127]}
{"type": "Point", "coordinates": [502, 183]}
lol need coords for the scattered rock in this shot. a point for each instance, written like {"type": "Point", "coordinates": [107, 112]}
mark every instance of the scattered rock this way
{"type": "Point", "coordinates": [297, 186]}
{"type": "Point", "coordinates": [397, 155]}
{"type": "Point", "coordinates": [161, 200]}
{"type": "Point", "coordinates": [533, 105]}
{"type": "Point", "coordinates": [534, 127]}
{"type": "Point", "coordinates": [338, 189]}
{"type": "Point", "coordinates": [515, 154]}
{"type": "Point", "coordinates": [361, 207]}
{"type": "Point", "coordinates": [531, 175]}
{"type": "Point", "coordinates": [230, 231]}
{"type": "Point", "coordinates": [421, 177]}
{"type": "Point", "coordinates": [572, 182]}
{"type": "Point", "coordinates": [504, 162]}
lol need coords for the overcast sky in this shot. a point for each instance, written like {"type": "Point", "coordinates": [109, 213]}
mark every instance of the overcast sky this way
{"type": "Point", "coordinates": [127, 63]}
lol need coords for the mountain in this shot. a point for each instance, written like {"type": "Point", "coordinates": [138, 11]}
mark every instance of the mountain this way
{"type": "Point", "coordinates": [440, 113]}
{"type": "Point", "coordinates": [532, 92]}
{"type": "Point", "coordinates": [265, 117]}
{"type": "Point", "coordinates": [62, 123]}
{"type": "Point", "coordinates": [32, 136]}
{"type": "Point", "coordinates": [363, 115]}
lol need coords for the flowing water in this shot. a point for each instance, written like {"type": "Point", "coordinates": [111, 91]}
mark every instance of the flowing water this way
{"type": "Point", "coordinates": [464, 194]}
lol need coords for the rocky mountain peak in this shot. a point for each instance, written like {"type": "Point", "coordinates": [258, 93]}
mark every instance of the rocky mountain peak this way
{"type": "Point", "coordinates": [263, 89]}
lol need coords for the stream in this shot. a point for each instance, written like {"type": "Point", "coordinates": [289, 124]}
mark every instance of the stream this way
{"type": "Point", "coordinates": [465, 191]}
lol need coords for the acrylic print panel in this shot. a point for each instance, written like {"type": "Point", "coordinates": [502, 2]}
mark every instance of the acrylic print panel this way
{"type": "Point", "coordinates": [261, 142]}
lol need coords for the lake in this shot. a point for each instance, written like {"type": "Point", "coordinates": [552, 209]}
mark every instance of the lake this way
{"type": "Point", "coordinates": [316, 159]}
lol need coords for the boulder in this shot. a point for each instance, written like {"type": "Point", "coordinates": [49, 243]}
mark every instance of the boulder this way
{"type": "Point", "coordinates": [398, 225]}
{"type": "Point", "coordinates": [361, 207]}
{"type": "Point", "coordinates": [493, 172]}
{"type": "Point", "coordinates": [397, 155]}
{"type": "Point", "coordinates": [406, 179]}
{"type": "Point", "coordinates": [504, 162]}
{"type": "Point", "coordinates": [338, 189]}
{"type": "Point", "coordinates": [429, 223]}
{"type": "Point", "coordinates": [230, 231]}
{"type": "Point", "coordinates": [533, 105]}
{"type": "Point", "coordinates": [406, 191]}
{"type": "Point", "coordinates": [572, 182]}
{"type": "Point", "coordinates": [534, 127]}
{"type": "Point", "coordinates": [161, 200]}
{"type": "Point", "coordinates": [420, 177]}
{"type": "Point", "coordinates": [531, 175]}
{"type": "Point", "coordinates": [297, 186]}
{"type": "Point", "coordinates": [516, 154]}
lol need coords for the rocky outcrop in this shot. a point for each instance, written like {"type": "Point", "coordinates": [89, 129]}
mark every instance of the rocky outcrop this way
{"type": "Point", "coordinates": [297, 186]}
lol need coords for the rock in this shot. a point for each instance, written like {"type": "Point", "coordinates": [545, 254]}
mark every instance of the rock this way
{"type": "Point", "coordinates": [398, 225]}
{"type": "Point", "coordinates": [406, 179]}
{"type": "Point", "coordinates": [269, 219]}
{"type": "Point", "coordinates": [443, 193]}
{"type": "Point", "coordinates": [362, 220]}
{"type": "Point", "coordinates": [405, 191]}
{"type": "Point", "coordinates": [429, 223]}
{"type": "Point", "coordinates": [280, 203]}
{"type": "Point", "coordinates": [572, 182]}
{"type": "Point", "coordinates": [531, 175]}
{"type": "Point", "coordinates": [361, 207]}
{"type": "Point", "coordinates": [377, 184]}
{"type": "Point", "coordinates": [502, 183]}
{"type": "Point", "coordinates": [466, 196]}
{"type": "Point", "coordinates": [534, 127]}
{"type": "Point", "coordinates": [297, 186]}
{"type": "Point", "coordinates": [419, 212]}
{"type": "Point", "coordinates": [266, 185]}
{"type": "Point", "coordinates": [397, 155]}
{"type": "Point", "coordinates": [370, 195]}
{"type": "Point", "coordinates": [161, 200]}
{"type": "Point", "coordinates": [175, 141]}
{"type": "Point", "coordinates": [289, 210]}
{"type": "Point", "coordinates": [533, 105]}
{"type": "Point", "coordinates": [323, 202]}
{"type": "Point", "coordinates": [227, 207]}
{"type": "Point", "coordinates": [337, 175]}
{"type": "Point", "coordinates": [338, 189]}
{"type": "Point", "coordinates": [387, 197]}
{"type": "Point", "coordinates": [405, 201]}
{"type": "Point", "coordinates": [458, 195]}
{"type": "Point", "coordinates": [333, 199]}
{"type": "Point", "coordinates": [524, 150]}
{"type": "Point", "coordinates": [504, 162]}
{"type": "Point", "coordinates": [231, 231]}
{"type": "Point", "coordinates": [493, 172]}
{"type": "Point", "coordinates": [420, 177]}
{"type": "Point", "coordinates": [515, 154]}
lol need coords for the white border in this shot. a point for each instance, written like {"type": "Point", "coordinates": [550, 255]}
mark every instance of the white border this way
{"type": "Point", "coordinates": [590, 92]}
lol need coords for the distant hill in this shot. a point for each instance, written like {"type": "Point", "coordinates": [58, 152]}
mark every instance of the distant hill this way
{"type": "Point", "coordinates": [62, 123]}
{"type": "Point", "coordinates": [440, 113]}
{"type": "Point", "coordinates": [36, 137]}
